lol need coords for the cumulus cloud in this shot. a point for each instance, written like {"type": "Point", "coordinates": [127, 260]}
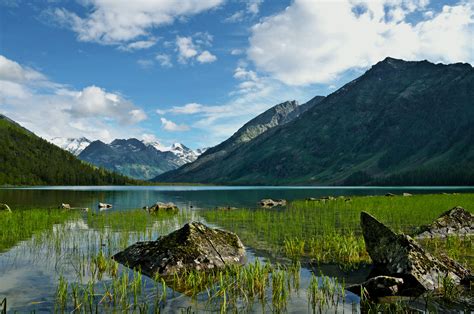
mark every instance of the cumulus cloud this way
{"type": "Point", "coordinates": [190, 49]}
{"type": "Point", "coordinates": [138, 45]}
{"type": "Point", "coordinates": [252, 8]}
{"type": "Point", "coordinates": [60, 111]}
{"type": "Point", "coordinates": [314, 41]}
{"type": "Point", "coordinates": [164, 60]}
{"type": "Point", "coordinates": [169, 125]}
{"type": "Point", "coordinates": [119, 21]}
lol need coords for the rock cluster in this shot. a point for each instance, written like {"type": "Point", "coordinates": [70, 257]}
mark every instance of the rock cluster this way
{"type": "Point", "coordinates": [193, 247]}
{"type": "Point", "coordinates": [162, 207]}
{"type": "Point", "coordinates": [267, 202]}
{"type": "Point", "coordinates": [455, 221]}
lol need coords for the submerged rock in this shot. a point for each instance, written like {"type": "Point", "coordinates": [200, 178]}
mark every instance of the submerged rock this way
{"type": "Point", "coordinates": [104, 205]}
{"type": "Point", "coordinates": [267, 202]}
{"type": "Point", "coordinates": [193, 247]}
{"type": "Point", "coordinates": [379, 286]}
{"type": "Point", "coordinates": [162, 207]}
{"type": "Point", "coordinates": [456, 221]}
{"type": "Point", "coordinates": [400, 256]}
{"type": "Point", "coordinates": [5, 207]}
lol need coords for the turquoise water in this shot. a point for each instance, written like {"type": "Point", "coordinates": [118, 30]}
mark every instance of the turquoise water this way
{"type": "Point", "coordinates": [131, 197]}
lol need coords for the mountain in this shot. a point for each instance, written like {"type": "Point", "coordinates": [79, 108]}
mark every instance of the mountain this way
{"type": "Point", "coordinates": [399, 123]}
{"type": "Point", "coordinates": [73, 145]}
{"type": "Point", "coordinates": [273, 117]}
{"type": "Point", "coordinates": [26, 159]}
{"type": "Point", "coordinates": [136, 159]}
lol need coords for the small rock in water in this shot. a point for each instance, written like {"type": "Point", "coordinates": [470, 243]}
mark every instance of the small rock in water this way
{"type": "Point", "coordinates": [379, 286]}
{"type": "Point", "coordinates": [193, 247]}
{"type": "Point", "coordinates": [64, 206]}
{"type": "Point", "coordinates": [390, 194]}
{"type": "Point", "coordinates": [104, 205]}
{"type": "Point", "coordinates": [5, 207]}
{"type": "Point", "coordinates": [407, 194]}
{"type": "Point", "coordinates": [267, 202]}
{"type": "Point", "coordinates": [455, 221]}
{"type": "Point", "coordinates": [162, 207]}
{"type": "Point", "coordinates": [399, 255]}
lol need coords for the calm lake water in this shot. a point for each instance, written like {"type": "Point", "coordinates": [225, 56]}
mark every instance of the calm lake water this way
{"type": "Point", "coordinates": [29, 271]}
{"type": "Point", "coordinates": [132, 197]}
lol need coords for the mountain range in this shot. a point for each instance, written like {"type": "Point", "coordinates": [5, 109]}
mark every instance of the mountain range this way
{"type": "Point", "coordinates": [26, 159]}
{"type": "Point", "coordinates": [137, 159]}
{"type": "Point", "coordinates": [399, 123]}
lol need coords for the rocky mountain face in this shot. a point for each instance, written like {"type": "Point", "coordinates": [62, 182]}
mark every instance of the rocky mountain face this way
{"type": "Point", "coordinates": [273, 117]}
{"type": "Point", "coordinates": [130, 157]}
{"type": "Point", "coordinates": [399, 123]}
{"type": "Point", "coordinates": [73, 145]}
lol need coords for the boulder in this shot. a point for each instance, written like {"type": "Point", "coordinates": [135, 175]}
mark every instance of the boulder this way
{"type": "Point", "coordinates": [5, 207]}
{"type": "Point", "coordinates": [379, 286]}
{"type": "Point", "coordinates": [267, 202]}
{"type": "Point", "coordinates": [456, 221]}
{"type": "Point", "coordinates": [327, 198]}
{"type": "Point", "coordinates": [407, 194]}
{"type": "Point", "coordinates": [64, 206]}
{"type": "Point", "coordinates": [390, 194]}
{"type": "Point", "coordinates": [162, 208]}
{"type": "Point", "coordinates": [104, 205]}
{"type": "Point", "coordinates": [399, 255]}
{"type": "Point", "coordinates": [193, 247]}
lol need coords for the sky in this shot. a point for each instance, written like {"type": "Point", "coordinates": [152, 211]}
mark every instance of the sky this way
{"type": "Point", "coordinates": [194, 71]}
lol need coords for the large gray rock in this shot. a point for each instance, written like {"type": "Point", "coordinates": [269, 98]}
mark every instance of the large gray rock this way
{"type": "Point", "coordinates": [456, 221]}
{"type": "Point", "coordinates": [193, 247]}
{"type": "Point", "coordinates": [5, 207]}
{"type": "Point", "coordinates": [267, 202]}
{"type": "Point", "coordinates": [399, 255]}
{"type": "Point", "coordinates": [162, 208]}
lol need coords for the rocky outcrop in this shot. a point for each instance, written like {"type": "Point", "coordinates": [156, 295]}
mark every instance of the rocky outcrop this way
{"type": "Point", "coordinates": [162, 208]}
{"type": "Point", "coordinates": [267, 202]}
{"type": "Point", "coordinates": [5, 208]}
{"type": "Point", "coordinates": [400, 256]}
{"type": "Point", "coordinates": [456, 221]}
{"type": "Point", "coordinates": [193, 247]}
{"type": "Point", "coordinates": [379, 286]}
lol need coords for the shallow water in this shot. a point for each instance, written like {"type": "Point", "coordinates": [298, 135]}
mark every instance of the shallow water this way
{"type": "Point", "coordinates": [29, 271]}
{"type": "Point", "coordinates": [131, 197]}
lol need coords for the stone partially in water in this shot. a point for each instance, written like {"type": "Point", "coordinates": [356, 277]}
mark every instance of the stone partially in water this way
{"type": "Point", "coordinates": [379, 286]}
{"type": "Point", "coordinates": [5, 207]}
{"type": "Point", "coordinates": [267, 202]}
{"type": "Point", "coordinates": [104, 205]}
{"type": "Point", "coordinates": [456, 221]}
{"type": "Point", "coordinates": [401, 256]}
{"type": "Point", "coordinates": [162, 207]}
{"type": "Point", "coordinates": [193, 247]}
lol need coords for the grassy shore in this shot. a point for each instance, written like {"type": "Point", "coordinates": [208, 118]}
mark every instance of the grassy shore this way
{"type": "Point", "coordinates": [320, 231]}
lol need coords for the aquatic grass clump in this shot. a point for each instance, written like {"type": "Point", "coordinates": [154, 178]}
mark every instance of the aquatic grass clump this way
{"type": "Point", "coordinates": [325, 292]}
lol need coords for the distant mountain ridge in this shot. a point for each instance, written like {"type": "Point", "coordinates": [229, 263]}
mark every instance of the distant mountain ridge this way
{"type": "Point", "coordinates": [135, 158]}
{"type": "Point", "coordinates": [399, 123]}
{"type": "Point", "coordinates": [26, 159]}
{"type": "Point", "coordinates": [276, 116]}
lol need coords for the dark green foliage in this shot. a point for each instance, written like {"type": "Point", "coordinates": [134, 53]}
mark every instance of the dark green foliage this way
{"type": "Point", "coordinates": [26, 159]}
{"type": "Point", "coordinates": [399, 123]}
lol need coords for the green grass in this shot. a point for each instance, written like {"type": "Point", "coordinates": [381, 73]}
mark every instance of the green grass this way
{"type": "Point", "coordinates": [23, 224]}
{"type": "Point", "coordinates": [329, 231]}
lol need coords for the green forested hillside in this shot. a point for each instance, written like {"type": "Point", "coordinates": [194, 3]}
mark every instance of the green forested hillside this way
{"type": "Point", "coordinates": [26, 159]}
{"type": "Point", "coordinates": [403, 123]}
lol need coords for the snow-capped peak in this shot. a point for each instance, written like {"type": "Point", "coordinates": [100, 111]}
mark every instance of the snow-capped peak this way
{"type": "Point", "coordinates": [72, 145]}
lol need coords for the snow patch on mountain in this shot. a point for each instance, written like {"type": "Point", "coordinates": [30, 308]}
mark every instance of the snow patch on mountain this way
{"type": "Point", "coordinates": [72, 145]}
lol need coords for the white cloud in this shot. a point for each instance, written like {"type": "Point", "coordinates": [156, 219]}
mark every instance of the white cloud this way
{"type": "Point", "coordinates": [190, 48]}
{"type": "Point", "coordinates": [145, 63]}
{"type": "Point", "coordinates": [252, 8]}
{"type": "Point", "coordinates": [118, 21]}
{"type": "Point", "coordinates": [138, 45]}
{"type": "Point", "coordinates": [169, 125]}
{"type": "Point", "coordinates": [206, 57]}
{"type": "Point", "coordinates": [164, 60]}
{"type": "Point", "coordinates": [55, 110]}
{"type": "Point", "coordinates": [236, 52]}
{"type": "Point", "coordinates": [314, 41]}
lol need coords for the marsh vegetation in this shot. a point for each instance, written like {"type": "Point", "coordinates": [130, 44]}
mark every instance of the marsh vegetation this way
{"type": "Point", "coordinates": [288, 249]}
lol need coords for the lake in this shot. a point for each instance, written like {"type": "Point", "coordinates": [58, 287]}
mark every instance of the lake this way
{"type": "Point", "coordinates": [32, 268]}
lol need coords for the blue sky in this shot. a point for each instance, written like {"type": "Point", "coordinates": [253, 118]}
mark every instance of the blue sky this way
{"type": "Point", "coordinates": [193, 71]}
